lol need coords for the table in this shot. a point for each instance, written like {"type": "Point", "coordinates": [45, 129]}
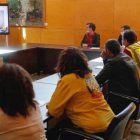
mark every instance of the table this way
{"type": "Point", "coordinates": [36, 58]}
{"type": "Point", "coordinates": [43, 93]}
{"type": "Point", "coordinates": [96, 65]}
{"type": "Point", "coordinates": [25, 56]}
{"type": "Point", "coordinates": [48, 56]}
{"type": "Point", "coordinates": [52, 79]}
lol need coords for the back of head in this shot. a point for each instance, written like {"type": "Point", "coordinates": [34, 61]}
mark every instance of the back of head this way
{"type": "Point", "coordinates": [130, 36]}
{"type": "Point", "coordinates": [72, 60]}
{"type": "Point", "coordinates": [92, 25]}
{"type": "Point", "coordinates": [16, 91]}
{"type": "Point", "coordinates": [113, 46]}
{"type": "Point", "coordinates": [126, 27]}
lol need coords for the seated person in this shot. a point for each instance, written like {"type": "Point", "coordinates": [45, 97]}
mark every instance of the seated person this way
{"type": "Point", "coordinates": [123, 28]}
{"type": "Point", "coordinates": [20, 117]}
{"type": "Point", "coordinates": [91, 38]}
{"type": "Point", "coordinates": [78, 95]}
{"type": "Point", "coordinates": [120, 71]}
{"type": "Point", "coordinates": [132, 47]}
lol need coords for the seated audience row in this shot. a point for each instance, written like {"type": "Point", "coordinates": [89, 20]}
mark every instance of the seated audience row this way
{"type": "Point", "coordinates": [78, 96]}
{"type": "Point", "coordinates": [120, 72]}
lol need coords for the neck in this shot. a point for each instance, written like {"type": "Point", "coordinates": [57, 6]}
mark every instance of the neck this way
{"type": "Point", "coordinates": [91, 32]}
{"type": "Point", "coordinates": [112, 55]}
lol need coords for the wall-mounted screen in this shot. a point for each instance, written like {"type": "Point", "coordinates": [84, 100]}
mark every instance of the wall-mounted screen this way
{"type": "Point", "coordinates": [4, 19]}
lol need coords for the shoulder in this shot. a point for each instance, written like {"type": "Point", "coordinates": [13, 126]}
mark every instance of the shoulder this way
{"type": "Point", "coordinates": [134, 46]}
{"type": "Point", "coordinates": [119, 58]}
{"type": "Point", "coordinates": [71, 80]}
{"type": "Point", "coordinates": [70, 77]}
{"type": "Point", "coordinates": [85, 35]}
{"type": "Point", "coordinates": [125, 60]}
{"type": "Point", "coordinates": [96, 34]}
{"type": "Point", "coordinates": [128, 51]}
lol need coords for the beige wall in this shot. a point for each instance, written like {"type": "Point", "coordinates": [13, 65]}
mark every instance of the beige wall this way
{"type": "Point", "coordinates": [67, 18]}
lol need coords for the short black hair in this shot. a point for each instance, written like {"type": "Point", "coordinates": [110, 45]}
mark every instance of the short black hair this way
{"type": "Point", "coordinates": [126, 27]}
{"type": "Point", "coordinates": [92, 25]}
{"type": "Point", "coordinates": [113, 46]}
{"type": "Point", "coordinates": [130, 36]}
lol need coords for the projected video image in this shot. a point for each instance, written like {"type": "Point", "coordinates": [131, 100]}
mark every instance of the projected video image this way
{"type": "Point", "coordinates": [4, 25]}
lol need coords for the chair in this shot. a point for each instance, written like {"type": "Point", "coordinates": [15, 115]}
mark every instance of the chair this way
{"type": "Point", "coordinates": [118, 102]}
{"type": "Point", "coordinates": [115, 130]}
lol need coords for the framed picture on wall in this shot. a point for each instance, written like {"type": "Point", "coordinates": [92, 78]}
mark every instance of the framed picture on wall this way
{"type": "Point", "coordinates": [4, 19]}
{"type": "Point", "coordinates": [26, 12]}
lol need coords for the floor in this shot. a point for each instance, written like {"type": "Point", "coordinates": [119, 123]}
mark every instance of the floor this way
{"type": "Point", "coordinates": [135, 130]}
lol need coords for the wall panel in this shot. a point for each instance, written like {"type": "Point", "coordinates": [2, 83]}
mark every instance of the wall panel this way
{"type": "Point", "coordinates": [101, 12]}
{"type": "Point", "coordinates": [67, 18]}
{"type": "Point", "coordinates": [127, 12]}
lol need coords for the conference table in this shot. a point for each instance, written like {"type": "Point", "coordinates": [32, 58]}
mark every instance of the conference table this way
{"type": "Point", "coordinates": [51, 79]}
{"type": "Point", "coordinates": [43, 93]}
{"type": "Point", "coordinates": [36, 58]}
{"type": "Point", "coordinates": [96, 65]}
{"type": "Point", "coordinates": [45, 87]}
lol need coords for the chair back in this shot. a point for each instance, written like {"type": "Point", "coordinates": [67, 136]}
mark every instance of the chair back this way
{"type": "Point", "coordinates": [118, 102]}
{"type": "Point", "coordinates": [117, 126]}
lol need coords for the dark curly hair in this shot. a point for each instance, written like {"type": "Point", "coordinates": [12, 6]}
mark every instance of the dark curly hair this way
{"type": "Point", "coordinates": [72, 60]}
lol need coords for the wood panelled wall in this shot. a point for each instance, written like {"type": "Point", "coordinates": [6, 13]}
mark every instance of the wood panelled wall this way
{"type": "Point", "coordinates": [67, 18]}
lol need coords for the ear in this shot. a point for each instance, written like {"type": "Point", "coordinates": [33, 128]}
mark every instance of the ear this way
{"type": "Point", "coordinates": [107, 53]}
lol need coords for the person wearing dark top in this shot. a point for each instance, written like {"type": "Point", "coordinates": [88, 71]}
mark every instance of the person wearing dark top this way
{"type": "Point", "coordinates": [123, 28]}
{"type": "Point", "coordinates": [91, 38]}
{"type": "Point", "coordinates": [119, 71]}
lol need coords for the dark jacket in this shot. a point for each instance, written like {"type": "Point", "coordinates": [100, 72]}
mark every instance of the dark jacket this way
{"type": "Point", "coordinates": [122, 75]}
{"type": "Point", "coordinates": [95, 40]}
{"type": "Point", "coordinates": [120, 39]}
